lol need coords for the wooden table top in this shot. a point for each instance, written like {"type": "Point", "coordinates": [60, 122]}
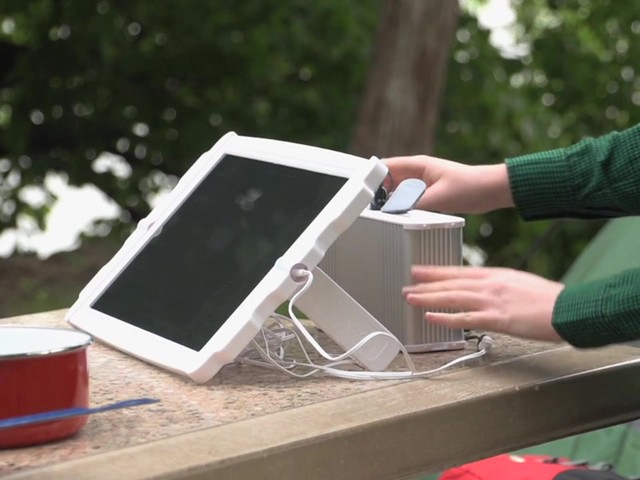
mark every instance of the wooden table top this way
{"type": "Point", "coordinates": [251, 422]}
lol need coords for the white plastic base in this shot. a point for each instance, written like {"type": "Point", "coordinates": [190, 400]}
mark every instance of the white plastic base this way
{"type": "Point", "coordinates": [343, 319]}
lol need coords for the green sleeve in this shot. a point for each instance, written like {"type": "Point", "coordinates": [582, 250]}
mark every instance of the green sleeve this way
{"type": "Point", "coordinates": [595, 178]}
{"type": "Point", "coordinates": [600, 312]}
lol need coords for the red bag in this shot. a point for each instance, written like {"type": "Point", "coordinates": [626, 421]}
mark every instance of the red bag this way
{"type": "Point", "coordinates": [529, 467]}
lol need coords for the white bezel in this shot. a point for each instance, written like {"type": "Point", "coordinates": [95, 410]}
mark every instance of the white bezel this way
{"type": "Point", "coordinates": [363, 178]}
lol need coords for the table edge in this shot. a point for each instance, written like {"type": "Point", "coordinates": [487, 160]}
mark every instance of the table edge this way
{"type": "Point", "coordinates": [402, 429]}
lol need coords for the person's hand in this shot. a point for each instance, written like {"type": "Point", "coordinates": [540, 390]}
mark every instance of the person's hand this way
{"type": "Point", "coordinates": [453, 187]}
{"type": "Point", "coordinates": [488, 299]}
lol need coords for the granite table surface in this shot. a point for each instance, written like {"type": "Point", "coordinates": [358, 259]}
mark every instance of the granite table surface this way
{"type": "Point", "coordinates": [236, 394]}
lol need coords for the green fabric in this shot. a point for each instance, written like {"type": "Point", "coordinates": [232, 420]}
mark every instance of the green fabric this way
{"type": "Point", "coordinates": [595, 178]}
{"type": "Point", "coordinates": [600, 312]}
{"type": "Point", "coordinates": [618, 446]}
{"type": "Point", "coordinates": [627, 460]}
{"type": "Point", "coordinates": [615, 248]}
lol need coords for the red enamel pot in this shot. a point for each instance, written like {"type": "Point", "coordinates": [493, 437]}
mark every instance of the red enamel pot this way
{"type": "Point", "coordinates": [41, 370]}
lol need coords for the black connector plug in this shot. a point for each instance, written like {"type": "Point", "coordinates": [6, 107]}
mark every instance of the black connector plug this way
{"type": "Point", "coordinates": [379, 198]}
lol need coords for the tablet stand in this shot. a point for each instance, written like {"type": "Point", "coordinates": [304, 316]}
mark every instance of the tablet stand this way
{"type": "Point", "coordinates": [345, 321]}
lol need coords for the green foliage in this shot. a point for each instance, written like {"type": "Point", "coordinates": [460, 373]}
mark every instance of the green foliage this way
{"type": "Point", "coordinates": [157, 83]}
{"type": "Point", "coordinates": [576, 78]}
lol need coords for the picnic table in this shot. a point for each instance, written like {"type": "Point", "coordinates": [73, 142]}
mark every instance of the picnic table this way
{"type": "Point", "coordinates": [252, 422]}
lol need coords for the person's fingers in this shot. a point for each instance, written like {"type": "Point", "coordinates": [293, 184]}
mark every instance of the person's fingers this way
{"type": "Point", "coordinates": [448, 300]}
{"type": "Point", "coordinates": [401, 168]}
{"type": "Point", "coordinates": [488, 321]}
{"type": "Point", "coordinates": [473, 320]}
{"type": "Point", "coordinates": [495, 299]}
{"type": "Point", "coordinates": [436, 198]}
{"type": "Point", "coordinates": [468, 284]}
{"type": "Point", "coordinates": [434, 273]}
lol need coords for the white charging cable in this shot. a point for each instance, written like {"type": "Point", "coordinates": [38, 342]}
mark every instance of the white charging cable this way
{"type": "Point", "coordinates": [270, 348]}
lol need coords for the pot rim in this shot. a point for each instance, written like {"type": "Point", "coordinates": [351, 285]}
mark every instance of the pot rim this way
{"type": "Point", "coordinates": [67, 341]}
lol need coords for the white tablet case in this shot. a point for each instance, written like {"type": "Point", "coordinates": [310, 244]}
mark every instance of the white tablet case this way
{"type": "Point", "coordinates": [327, 304]}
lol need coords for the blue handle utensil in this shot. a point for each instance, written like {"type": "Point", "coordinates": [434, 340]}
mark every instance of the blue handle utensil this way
{"type": "Point", "coordinates": [71, 412]}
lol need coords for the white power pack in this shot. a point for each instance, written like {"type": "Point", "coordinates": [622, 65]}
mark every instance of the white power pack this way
{"type": "Point", "coordinates": [372, 261]}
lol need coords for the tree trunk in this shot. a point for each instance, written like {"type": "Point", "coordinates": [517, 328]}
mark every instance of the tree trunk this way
{"type": "Point", "coordinates": [400, 106]}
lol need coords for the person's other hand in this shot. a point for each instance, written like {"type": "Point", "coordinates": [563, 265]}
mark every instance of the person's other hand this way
{"type": "Point", "coordinates": [488, 299]}
{"type": "Point", "coordinates": [453, 187]}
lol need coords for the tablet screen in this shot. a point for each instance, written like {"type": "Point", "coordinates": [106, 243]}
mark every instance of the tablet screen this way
{"type": "Point", "coordinates": [216, 247]}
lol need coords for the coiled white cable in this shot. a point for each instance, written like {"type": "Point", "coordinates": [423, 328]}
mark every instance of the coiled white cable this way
{"type": "Point", "coordinates": [271, 349]}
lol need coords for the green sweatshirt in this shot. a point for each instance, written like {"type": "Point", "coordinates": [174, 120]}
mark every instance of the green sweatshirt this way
{"type": "Point", "coordinates": [595, 178]}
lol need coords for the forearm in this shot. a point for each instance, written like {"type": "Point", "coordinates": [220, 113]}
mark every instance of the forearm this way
{"type": "Point", "coordinates": [493, 183]}
{"type": "Point", "coordinates": [596, 178]}
{"type": "Point", "coordinates": [600, 312]}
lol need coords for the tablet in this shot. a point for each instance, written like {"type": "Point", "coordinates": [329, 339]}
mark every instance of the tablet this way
{"type": "Point", "coordinates": [192, 285]}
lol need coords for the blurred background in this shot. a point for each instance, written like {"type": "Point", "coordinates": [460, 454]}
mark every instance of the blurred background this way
{"type": "Point", "coordinates": [104, 104]}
